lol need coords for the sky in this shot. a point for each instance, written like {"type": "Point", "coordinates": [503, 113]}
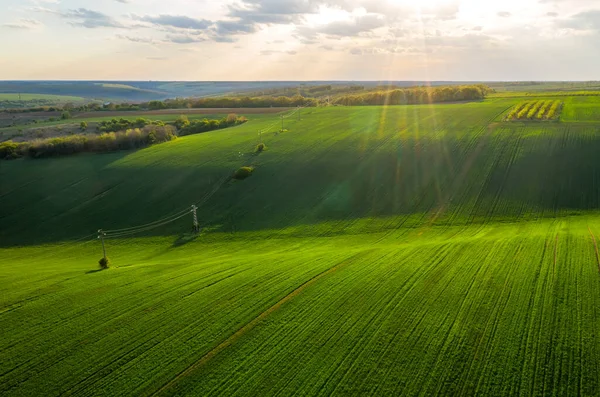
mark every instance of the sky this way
{"type": "Point", "coordinates": [208, 40]}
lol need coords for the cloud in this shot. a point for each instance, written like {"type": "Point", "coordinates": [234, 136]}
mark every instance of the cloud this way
{"type": "Point", "coordinates": [182, 28]}
{"type": "Point", "coordinates": [504, 14]}
{"type": "Point", "coordinates": [352, 27]}
{"type": "Point", "coordinates": [145, 40]}
{"type": "Point", "coordinates": [234, 27]}
{"type": "Point", "coordinates": [176, 21]}
{"type": "Point", "coordinates": [273, 11]}
{"type": "Point", "coordinates": [345, 28]}
{"type": "Point", "coordinates": [83, 17]}
{"type": "Point", "coordinates": [157, 58]}
{"type": "Point", "coordinates": [274, 52]}
{"type": "Point", "coordinates": [587, 20]}
{"type": "Point", "coordinates": [184, 39]}
{"type": "Point", "coordinates": [23, 23]}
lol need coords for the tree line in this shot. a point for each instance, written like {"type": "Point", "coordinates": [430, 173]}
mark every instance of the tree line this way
{"type": "Point", "coordinates": [416, 95]}
{"type": "Point", "coordinates": [349, 96]}
{"type": "Point", "coordinates": [122, 124]}
{"type": "Point", "coordinates": [105, 142]}
{"type": "Point", "coordinates": [147, 133]}
{"type": "Point", "coordinates": [186, 127]}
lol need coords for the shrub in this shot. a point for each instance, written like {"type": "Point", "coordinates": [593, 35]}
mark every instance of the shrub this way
{"type": "Point", "coordinates": [9, 150]}
{"type": "Point", "coordinates": [104, 263]}
{"type": "Point", "coordinates": [181, 122]}
{"type": "Point", "coordinates": [243, 173]}
{"type": "Point", "coordinates": [231, 118]}
{"type": "Point", "coordinates": [105, 142]}
{"type": "Point", "coordinates": [122, 124]}
{"type": "Point", "coordinates": [65, 115]}
{"type": "Point", "coordinates": [83, 125]}
{"type": "Point", "coordinates": [261, 147]}
{"type": "Point", "coordinates": [204, 125]}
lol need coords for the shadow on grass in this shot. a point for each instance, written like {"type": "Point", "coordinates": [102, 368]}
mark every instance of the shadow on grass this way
{"type": "Point", "coordinates": [93, 271]}
{"type": "Point", "coordinates": [185, 238]}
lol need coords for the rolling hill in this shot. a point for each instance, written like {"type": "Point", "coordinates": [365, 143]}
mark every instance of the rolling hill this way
{"type": "Point", "coordinates": [406, 250]}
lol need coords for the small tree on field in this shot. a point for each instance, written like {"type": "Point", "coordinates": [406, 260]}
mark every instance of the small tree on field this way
{"type": "Point", "coordinates": [104, 263]}
{"type": "Point", "coordinates": [261, 147]}
{"type": "Point", "coordinates": [65, 115]}
{"type": "Point", "coordinates": [243, 173]}
{"type": "Point", "coordinates": [83, 125]}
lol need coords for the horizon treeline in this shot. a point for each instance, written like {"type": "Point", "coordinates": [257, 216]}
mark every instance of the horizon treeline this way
{"type": "Point", "coordinates": [416, 95]}
{"type": "Point", "coordinates": [377, 96]}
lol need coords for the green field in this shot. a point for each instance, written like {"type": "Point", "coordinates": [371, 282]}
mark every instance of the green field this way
{"type": "Point", "coordinates": [24, 100]}
{"type": "Point", "coordinates": [403, 250]}
{"type": "Point", "coordinates": [33, 97]}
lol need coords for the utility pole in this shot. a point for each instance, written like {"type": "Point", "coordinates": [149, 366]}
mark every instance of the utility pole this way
{"type": "Point", "coordinates": [299, 112]}
{"type": "Point", "coordinates": [282, 123]}
{"type": "Point", "coordinates": [259, 136]}
{"type": "Point", "coordinates": [196, 228]}
{"type": "Point", "coordinates": [101, 236]}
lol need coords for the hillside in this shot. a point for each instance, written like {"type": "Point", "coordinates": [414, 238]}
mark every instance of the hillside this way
{"type": "Point", "coordinates": [336, 164]}
{"type": "Point", "coordinates": [401, 250]}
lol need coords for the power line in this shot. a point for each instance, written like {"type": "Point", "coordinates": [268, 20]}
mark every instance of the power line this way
{"type": "Point", "coordinates": [133, 230]}
{"type": "Point", "coordinates": [147, 224]}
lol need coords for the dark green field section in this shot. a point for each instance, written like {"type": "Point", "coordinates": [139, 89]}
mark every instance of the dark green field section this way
{"type": "Point", "coordinates": [446, 164]}
{"type": "Point", "coordinates": [402, 250]}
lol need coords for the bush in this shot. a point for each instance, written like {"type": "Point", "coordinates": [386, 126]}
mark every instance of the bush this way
{"type": "Point", "coordinates": [181, 122]}
{"type": "Point", "coordinates": [261, 147]}
{"type": "Point", "coordinates": [9, 150]}
{"type": "Point", "coordinates": [105, 142]}
{"type": "Point", "coordinates": [204, 125]}
{"type": "Point", "coordinates": [104, 263]}
{"type": "Point", "coordinates": [122, 124]}
{"type": "Point", "coordinates": [65, 115]}
{"type": "Point", "coordinates": [243, 173]}
{"type": "Point", "coordinates": [83, 125]}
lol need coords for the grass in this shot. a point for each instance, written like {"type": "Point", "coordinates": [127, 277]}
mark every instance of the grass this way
{"type": "Point", "coordinates": [408, 250]}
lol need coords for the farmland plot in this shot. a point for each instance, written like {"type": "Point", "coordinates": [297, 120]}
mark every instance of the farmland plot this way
{"type": "Point", "coordinates": [405, 250]}
{"type": "Point", "coordinates": [584, 109]}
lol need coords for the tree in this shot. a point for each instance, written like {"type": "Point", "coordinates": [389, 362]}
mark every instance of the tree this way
{"type": "Point", "coordinates": [83, 125]}
{"type": "Point", "coordinates": [65, 115]}
{"type": "Point", "coordinates": [182, 122]}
